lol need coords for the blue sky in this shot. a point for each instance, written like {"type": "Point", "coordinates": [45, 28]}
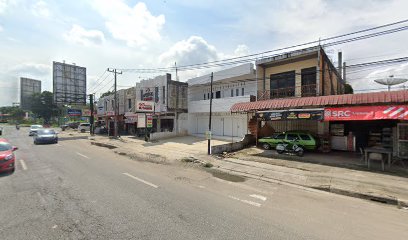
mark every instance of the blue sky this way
{"type": "Point", "coordinates": [133, 34]}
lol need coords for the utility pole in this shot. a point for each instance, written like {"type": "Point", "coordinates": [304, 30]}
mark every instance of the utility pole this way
{"type": "Point", "coordinates": [91, 118]}
{"type": "Point", "coordinates": [116, 109]}
{"type": "Point", "coordinates": [209, 123]}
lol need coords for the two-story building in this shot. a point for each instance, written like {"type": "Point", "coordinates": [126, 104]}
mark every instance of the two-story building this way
{"type": "Point", "coordinates": [285, 78]}
{"type": "Point", "coordinates": [230, 86]}
{"type": "Point", "coordinates": [165, 99]}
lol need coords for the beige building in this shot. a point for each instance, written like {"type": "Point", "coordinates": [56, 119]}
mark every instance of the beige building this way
{"type": "Point", "coordinates": [302, 73]}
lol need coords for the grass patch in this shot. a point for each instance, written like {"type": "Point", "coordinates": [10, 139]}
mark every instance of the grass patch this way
{"type": "Point", "coordinates": [208, 165]}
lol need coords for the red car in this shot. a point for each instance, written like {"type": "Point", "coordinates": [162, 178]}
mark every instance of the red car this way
{"type": "Point", "coordinates": [7, 158]}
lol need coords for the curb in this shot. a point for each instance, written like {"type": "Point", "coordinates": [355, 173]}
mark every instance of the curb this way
{"type": "Point", "coordinates": [371, 197]}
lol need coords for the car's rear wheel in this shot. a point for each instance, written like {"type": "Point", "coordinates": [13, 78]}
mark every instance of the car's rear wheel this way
{"type": "Point", "coordinates": [266, 146]}
{"type": "Point", "coordinates": [279, 151]}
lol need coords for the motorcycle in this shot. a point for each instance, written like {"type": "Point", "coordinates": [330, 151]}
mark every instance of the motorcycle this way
{"type": "Point", "coordinates": [290, 147]}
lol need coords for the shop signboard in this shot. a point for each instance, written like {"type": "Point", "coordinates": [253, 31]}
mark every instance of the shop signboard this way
{"type": "Point", "coordinates": [141, 120]}
{"type": "Point", "coordinates": [149, 120]}
{"type": "Point", "coordinates": [144, 106]}
{"type": "Point", "coordinates": [295, 114]}
{"type": "Point", "coordinates": [86, 112]}
{"type": "Point", "coordinates": [397, 112]}
{"type": "Point", "coordinates": [130, 117]}
{"type": "Point", "coordinates": [148, 95]}
{"type": "Point", "coordinates": [74, 112]}
{"type": "Point", "coordinates": [110, 113]}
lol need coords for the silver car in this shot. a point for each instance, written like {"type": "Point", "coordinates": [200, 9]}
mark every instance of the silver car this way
{"type": "Point", "coordinates": [45, 136]}
{"type": "Point", "coordinates": [34, 129]}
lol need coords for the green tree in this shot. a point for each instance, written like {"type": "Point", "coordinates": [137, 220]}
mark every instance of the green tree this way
{"type": "Point", "coordinates": [106, 94]}
{"type": "Point", "coordinates": [43, 106]}
{"type": "Point", "coordinates": [348, 89]}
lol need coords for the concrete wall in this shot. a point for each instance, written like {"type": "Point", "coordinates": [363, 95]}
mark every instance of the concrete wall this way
{"type": "Point", "coordinates": [165, 135]}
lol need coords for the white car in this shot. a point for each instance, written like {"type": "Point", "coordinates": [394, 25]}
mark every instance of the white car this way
{"type": "Point", "coordinates": [34, 129]}
{"type": "Point", "coordinates": [84, 127]}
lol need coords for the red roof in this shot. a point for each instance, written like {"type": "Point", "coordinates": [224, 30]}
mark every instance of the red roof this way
{"type": "Point", "coordinates": [391, 97]}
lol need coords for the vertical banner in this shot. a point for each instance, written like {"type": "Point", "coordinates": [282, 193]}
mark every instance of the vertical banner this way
{"type": "Point", "coordinates": [141, 120]}
{"type": "Point", "coordinates": [149, 120]}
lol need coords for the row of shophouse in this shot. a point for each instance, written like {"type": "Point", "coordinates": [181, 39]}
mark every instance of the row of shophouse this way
{"type": "Point", "coordinates": [300, 90]}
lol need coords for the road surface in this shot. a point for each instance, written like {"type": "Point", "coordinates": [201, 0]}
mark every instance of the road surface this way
{"type": "Point", "coordinates": [74, 190]}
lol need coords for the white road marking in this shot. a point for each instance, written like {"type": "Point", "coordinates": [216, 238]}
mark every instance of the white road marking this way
{"type": "Point", "coordinates": [258, 197]}
{"type": "Point", "coordinates": [58, 145]}
{"type": "Point", "coordinates": [245, 201]}
{"type": "Point", "coordinates": [54, 227]}
{"type": "Point", "coordinates": [23, 164]}
{"type": "Point", "coordinates": [200, 186]}
{"type": "Point", "coordinates": [82, 155]}
{"type": "Point", "coordinates": [141, 180]}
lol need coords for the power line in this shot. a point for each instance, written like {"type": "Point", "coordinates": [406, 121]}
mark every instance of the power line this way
{"type": "Point", "coordinates": [249, 58]}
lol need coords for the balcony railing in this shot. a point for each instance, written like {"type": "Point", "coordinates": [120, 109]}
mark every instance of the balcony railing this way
{"type": "Point", "coordinates": [301, 91]}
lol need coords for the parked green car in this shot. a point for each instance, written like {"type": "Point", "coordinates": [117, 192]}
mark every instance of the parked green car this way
{"type": "Point", "coordinates": [306, 140]}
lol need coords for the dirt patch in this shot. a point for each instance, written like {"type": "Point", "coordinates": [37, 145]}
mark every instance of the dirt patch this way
{"type": "Point", "coordinates": [103, 145]}
{"type": "Point", "coordinates": [225, 176]}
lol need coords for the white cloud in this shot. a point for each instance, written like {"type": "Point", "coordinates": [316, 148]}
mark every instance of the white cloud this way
{"type": "Point", "coordinates": [1, 28]}
{"type": "Point", "coordinates": [79, 35]}
{"type": "Point", "coordinates": [135, 25]}
{"type": "Point", "coordinates": [35, 70]}
{"type": "Point", "coordinates": [40, 9]}
{"type": "Point", "coordinates": [191, 51]}
{"type": "Point", "coordinates": [241, 50]}
{"type": "Point", "coordinates": [4, 4]}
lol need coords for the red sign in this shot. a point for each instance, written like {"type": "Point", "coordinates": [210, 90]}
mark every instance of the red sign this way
{"type": "Point", "coordinates": [366, 113]}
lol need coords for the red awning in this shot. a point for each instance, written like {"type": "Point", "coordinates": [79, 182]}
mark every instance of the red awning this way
{"type": "Point", "coordinates": [392, 97]}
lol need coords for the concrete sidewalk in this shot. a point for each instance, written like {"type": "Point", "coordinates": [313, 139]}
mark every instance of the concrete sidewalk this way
{"type": "Point", "coordinates": [376, 186]}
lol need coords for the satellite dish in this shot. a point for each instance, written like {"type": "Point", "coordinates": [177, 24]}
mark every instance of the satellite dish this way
{"type": "Point", "coordinates": [390, 81]}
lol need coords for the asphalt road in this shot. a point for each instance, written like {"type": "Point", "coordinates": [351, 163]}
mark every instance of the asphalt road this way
{"type": "Point", "coordinates": [74, 190]}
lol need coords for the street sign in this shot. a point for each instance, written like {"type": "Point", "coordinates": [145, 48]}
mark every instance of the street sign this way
{"type": "Point", "coordinates": [208, 135]}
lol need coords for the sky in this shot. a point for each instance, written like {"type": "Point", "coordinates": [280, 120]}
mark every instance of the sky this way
{"type": "Point", "coordinates": [98, 34]}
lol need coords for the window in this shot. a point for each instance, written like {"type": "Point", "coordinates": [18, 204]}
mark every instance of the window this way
{"type": "Point", "coordinates": [308, 81]}
{"type": "Point", "coordinates": [232, 92]}
{"type": "Point", "coordinates": [204, 96]}
{"type": "Point", "coordinates": [113, 105]}
{"type": "Point", "coordinates": [129, 103]}
{"type": "Point", "coordinates": [208, 95]}
{"type": "Point", "coordinates": [283, 84]}
{"type": "Point", "coordinates": [237, 92]}
{"type": "Point", "coordinates": [305, 137]}
{"type": "Point", "coordinates": [280, 136]}
{"type": "Point", "coordinates": [156, 94]}
{"type": "Point", "coordinates": [242, 91]}
{"type": "Point", "coordinates": [141, 94]}
{"type": "Point", "coordinates": [291, 136]}
{"type": "Point", "coordinates": [164, 94]}
{"type": "Point", "coordinates": [218, 94]}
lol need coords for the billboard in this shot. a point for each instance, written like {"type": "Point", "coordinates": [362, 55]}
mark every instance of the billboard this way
{"type": "Point", "coordinates": [366, 113]}
{"type": "Point", "coordinates": [74, 112]}
{"type": "Point", "coordinates": [28, 87]}
{"type": "Point", "coordinates": [69, 84]}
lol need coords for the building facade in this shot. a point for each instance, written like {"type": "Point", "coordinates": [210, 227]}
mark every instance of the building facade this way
{"type": "Point", "coordinates": [230, 86]}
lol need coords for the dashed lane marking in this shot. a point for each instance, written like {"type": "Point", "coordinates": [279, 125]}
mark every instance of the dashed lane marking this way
{"type": "Point", "coordinates": [245, 201]}
{"type": "Point", "coordinates": [82, 155]}
{"type": "Point", "coordinates": [23, 164]}
{"type": "Point", "coordinates": [258, 197]}
{"type": "Point", "coordinates": [141, 180]}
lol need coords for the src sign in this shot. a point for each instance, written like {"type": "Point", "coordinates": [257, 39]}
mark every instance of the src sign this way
{"type": "Point", "coordinates": [366, 113]}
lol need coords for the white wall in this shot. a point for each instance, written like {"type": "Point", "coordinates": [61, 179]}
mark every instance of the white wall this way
{"type": "Point", "coordinates": [218, 105]}
{"type": "Point", "coordinates": [222, 124]}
